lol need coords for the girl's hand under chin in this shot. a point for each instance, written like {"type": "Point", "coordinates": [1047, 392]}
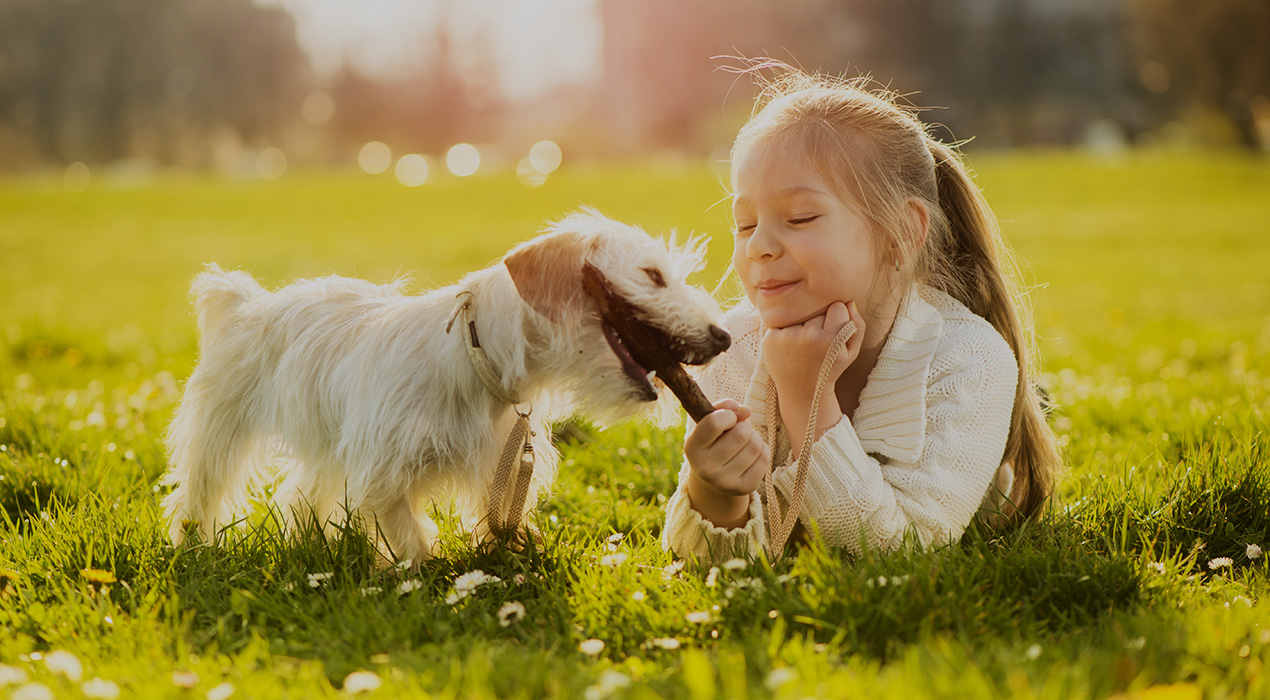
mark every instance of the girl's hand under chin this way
{"type": "Point", "coordinates": [794, 354]}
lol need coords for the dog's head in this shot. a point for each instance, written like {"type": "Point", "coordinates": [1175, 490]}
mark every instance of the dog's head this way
{"type": "Point", "coordinates": [625, 297]}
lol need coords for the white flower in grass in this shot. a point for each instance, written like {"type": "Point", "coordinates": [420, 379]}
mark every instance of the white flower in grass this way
{"type": "Point", "coordinates": [100, 688]}
{"type": "Point", "coordinates": [613, 560]}
{"type": "Point", "coordinates": [511, 611]}
{"type": "Point", "coordinates": [698, 618]}
{"type": "Point", "coordinates": [409, 586]}
{"type": "Point", "coordinates": [591, 647]}
{"type": "Point", "coordinates": [519, 579]}
{"type": "Point", "coordinates": [66, 664]}
{"type": "Point", "coordinates": [453, 598]}
{"type": "Point", "coordinates": [613, 541]}
{"type": "Point", "coordinates": [1156, 566]}
{"type": "Point", "coordinates": [667, 643]}
{"type": "Point", "coordinates": [33, 691]}
{"type": "Point", "coordinates": [638, 596]}
{"type": "Point", "coordinates": [610, 682]}
{"type": "Point", "coordinates": [735, 564]}
{"type": "Point", "coordinates": [371, 590]}
{"type": "Point", "coordinates": [361, 682]}
{"type": "Point", "coordinates": [781, 676]}
{"type": "Point", "coordinates": [405, 564]}
{"type": "Point", "coordinates": [1253, 551]}
{"type": "Point", "coordinates": [1033, 651]}
{"type": "Point", "coordinates": [11, 675]}
{"type": "Point", "coordinates": [184, 679]}
{"type": "Point", "coordinates": [672, 569]}
{"type": "Point", "coordinates": [316, 580]}
{"type": "Point", "coordinates": [469, 582]}
{"type": "Point", "coordinates": [221, 692]}
{"type": "Point", "coordinates": [1219, 563]}
{"type": "Point", "coordinates": [288, 586]}
{"type": "Point", "coordinates": [712, 578]}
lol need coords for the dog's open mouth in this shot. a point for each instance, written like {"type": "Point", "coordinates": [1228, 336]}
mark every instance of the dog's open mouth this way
{"type": "Point", "coordinates": [642, 378]}
{"type": "Point", "coordinates": [650, 356]}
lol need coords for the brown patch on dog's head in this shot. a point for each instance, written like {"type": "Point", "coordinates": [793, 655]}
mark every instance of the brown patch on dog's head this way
{"type": "Point", "coordinates": [547, 272]}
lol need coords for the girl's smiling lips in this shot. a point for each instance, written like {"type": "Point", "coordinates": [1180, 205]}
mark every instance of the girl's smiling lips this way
{"type": "Point", "coordinates": [773, 287]}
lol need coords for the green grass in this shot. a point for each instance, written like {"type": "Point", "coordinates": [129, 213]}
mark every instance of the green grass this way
{"type": "Point", "coordinates": [1151, 298]}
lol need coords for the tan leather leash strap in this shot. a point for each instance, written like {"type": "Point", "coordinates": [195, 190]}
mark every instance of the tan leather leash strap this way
{"type": "Point", "coordinates": [518, 447]}
{"type": "Point", "coordinates": [780, 525]}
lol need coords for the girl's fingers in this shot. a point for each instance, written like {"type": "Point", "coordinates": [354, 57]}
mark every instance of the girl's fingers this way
{"type": "Point", "coordinates": [837, 316]}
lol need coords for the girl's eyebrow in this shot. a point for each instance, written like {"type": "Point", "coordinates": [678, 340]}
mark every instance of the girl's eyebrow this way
{"type": "Point", "coordinates": [787, 192]}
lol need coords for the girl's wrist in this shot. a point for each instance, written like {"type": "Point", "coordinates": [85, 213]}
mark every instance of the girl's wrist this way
{"type": "Point", "coordinates": [725, 510]}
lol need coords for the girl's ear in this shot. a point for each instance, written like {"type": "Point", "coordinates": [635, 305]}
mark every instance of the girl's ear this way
{"type": "Point", "coordinates": [547, 272]}
{"type": "Point", "coordinates": [918, 225]}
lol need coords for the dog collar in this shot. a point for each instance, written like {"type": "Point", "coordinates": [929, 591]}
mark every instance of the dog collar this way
{"type": "Point", "coordinates": [480, 361]}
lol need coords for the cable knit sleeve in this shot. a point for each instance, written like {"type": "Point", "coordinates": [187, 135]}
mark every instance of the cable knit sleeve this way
{"type": "Point", "coordinates": [686, 532]}
{"type": "Point", "coordinates": [916, 460]}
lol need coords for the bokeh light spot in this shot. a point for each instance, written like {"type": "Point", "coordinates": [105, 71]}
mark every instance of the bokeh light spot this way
{"type": "Point", "coordinates": [77, 177]}
{"type": "Point", "coordinates": [463, 159]}
{"type": "Point", "coordinates": [528, 174]}
{"type": "Point", "coordinates": [271, 163]}
{"type": "Point", "coordinates": [412, 170]}
{"type": "Point", "coordinates": [545, 156]}
{"type": "Point", "coordinates": [375, 157]}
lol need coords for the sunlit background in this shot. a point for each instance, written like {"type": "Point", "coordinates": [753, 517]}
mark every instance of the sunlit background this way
{"type": "Point", "coordinates": [424, 89]}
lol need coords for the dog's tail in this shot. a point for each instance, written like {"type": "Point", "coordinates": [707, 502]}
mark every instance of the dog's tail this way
{"type": "Point", "coordinates": [216, 293]}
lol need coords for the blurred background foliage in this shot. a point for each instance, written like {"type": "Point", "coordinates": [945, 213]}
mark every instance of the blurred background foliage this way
{"type": "Point", "coordinates": [210, 84]}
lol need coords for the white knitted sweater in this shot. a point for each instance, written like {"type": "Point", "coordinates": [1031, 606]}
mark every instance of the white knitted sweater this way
{"type": "Point", "coordinates": [922, 453]}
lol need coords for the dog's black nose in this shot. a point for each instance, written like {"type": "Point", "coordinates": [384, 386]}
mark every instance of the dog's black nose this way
{"type": "Point", "coordinates": [720, 339]}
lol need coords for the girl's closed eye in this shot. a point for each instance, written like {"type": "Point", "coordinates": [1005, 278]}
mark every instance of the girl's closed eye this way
{"type": "Point", "coordinates": [804, 219]}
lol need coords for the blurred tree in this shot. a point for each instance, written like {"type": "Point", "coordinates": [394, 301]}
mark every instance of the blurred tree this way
{"type": "Point", "coordinates": [1214, 54]}
{"type": "Point", "coordinates": [104, 79]}
{"type": "Point", "coordinates": [429, 109]}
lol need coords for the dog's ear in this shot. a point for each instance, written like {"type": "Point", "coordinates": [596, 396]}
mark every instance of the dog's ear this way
{"type": "Point", "coordinates": [547, 272]}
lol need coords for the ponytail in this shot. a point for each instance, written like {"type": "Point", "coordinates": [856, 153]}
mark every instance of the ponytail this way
{"type": "Point", "coordinates": [971, 267]}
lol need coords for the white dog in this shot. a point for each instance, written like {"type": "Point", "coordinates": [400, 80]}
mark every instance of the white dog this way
{"type": "Point", "coordinates": [375, 405]}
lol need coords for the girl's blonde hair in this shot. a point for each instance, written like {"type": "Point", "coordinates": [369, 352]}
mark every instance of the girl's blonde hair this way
{"type": "Point", "coordinates": [880, 156]}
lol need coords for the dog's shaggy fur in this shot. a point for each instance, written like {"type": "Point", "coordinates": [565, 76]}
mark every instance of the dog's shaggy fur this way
{"type": "Point", "coordinates": [372, 404]}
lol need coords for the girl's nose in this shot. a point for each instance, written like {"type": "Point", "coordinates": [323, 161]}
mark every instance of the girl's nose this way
{"type": "Point", "coordinates": [762, 243]}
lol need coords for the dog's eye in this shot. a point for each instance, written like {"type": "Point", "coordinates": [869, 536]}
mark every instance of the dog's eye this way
{"type": "Point", "coordinates": [655, 275]}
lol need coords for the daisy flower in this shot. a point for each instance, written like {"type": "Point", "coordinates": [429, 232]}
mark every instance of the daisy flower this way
{"type": "Point", "coordinates": [221, 692]}
{"type": "Point", "coordinates": [1253, 551]}
{"type": "Point", "coordinates": [361, 682]}
{"type": "Point", "coordinates": [613, 560]}
{"type": "Point", "coordinates": [697, 618]}
{"type": "Point", "coordinates": [1219, 563]}
{"type": "Point", "coordinates": [735, 564]}
{"type": "Point", "coordinates": [100, 688]}
{"type": "Point", "coordinates": [315, 580]}
{"type": "Point", "coordinates": [184, 679]}
{"type": "Point", "coordinates": [591, 647]}
{"type": "Point", "coordinates": [510, 612]}
{"type": "Point", "coordinates": [66, 664]}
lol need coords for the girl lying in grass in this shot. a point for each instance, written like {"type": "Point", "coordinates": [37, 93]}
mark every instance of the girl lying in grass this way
{"type": "Point", "coordinates": [853, 222]}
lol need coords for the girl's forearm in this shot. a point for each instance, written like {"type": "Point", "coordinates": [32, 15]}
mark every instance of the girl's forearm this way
{"type": "Point", "coordinates": [795, 413]}
{"type": "Point", "coordinates": [723, 510]}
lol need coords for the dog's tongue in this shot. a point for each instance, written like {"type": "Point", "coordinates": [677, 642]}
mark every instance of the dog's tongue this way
{"type": "Point", "coordinates": [630, 367]}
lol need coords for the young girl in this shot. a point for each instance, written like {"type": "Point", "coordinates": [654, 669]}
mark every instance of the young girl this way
{"type": "Point", "coordinates": [848, 213]}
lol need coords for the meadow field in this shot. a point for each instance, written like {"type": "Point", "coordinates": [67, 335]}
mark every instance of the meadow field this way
{"type": "Point", "coordinates": [1150, 278]}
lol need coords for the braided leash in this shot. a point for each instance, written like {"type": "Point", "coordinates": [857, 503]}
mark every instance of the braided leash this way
{"type": "Point", "coordinates": [780, 525]}
{"type": "Point", "coordinates": [518, 447]}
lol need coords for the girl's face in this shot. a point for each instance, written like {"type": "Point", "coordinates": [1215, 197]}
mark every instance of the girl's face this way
{"type": "Point", "coordinates": [798, 247]}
